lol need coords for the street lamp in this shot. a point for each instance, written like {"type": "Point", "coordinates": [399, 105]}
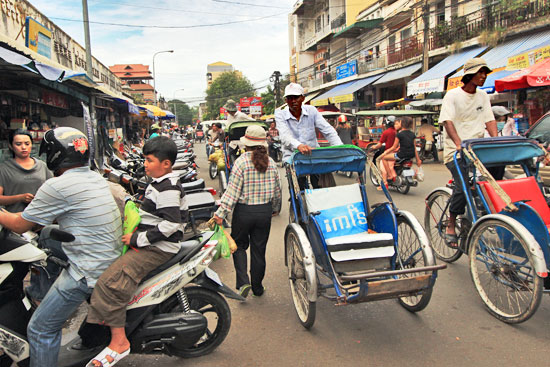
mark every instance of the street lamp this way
{"type": "Point", "coordinates": [154, 78]}
{"type": "Point", "coordinates": [174, 101]}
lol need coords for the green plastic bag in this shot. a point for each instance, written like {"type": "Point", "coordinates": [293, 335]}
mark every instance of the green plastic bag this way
{"type": "Point", "coordinates": [222, 248]}
{"type": "Point", "coordinates": [131, 220]}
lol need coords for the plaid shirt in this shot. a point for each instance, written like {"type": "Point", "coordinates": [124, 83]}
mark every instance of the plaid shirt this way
{"type": "Point", "coordinates": [248, 186]}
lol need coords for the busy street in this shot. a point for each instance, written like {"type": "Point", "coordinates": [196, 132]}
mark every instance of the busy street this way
{"type": "Point", "coordinates": [454, 330]}
{"type": "Point", "coordinates": [291, 183]}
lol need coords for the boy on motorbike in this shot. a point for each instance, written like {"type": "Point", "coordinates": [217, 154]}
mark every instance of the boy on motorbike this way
{"type": "Point", "coordinates": [163, 216]}
{"type": "Point", "coordinates": [80, 201]}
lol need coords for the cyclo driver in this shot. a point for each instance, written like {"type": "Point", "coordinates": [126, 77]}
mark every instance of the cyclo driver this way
{"type": "Point", "coordinates": [80, 201]}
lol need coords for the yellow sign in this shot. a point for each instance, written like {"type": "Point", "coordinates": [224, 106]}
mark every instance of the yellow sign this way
{"type": "Point", "coordinates": [527, 59]}
{"type": "Point", "coordinates": [319, 102]}
{"type": "Point", "coordinates": [39, 38]}
{"type": "Point", "coordinates": [342, 98]}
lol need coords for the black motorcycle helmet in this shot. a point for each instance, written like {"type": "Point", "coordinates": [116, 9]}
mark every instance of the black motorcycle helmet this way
{"type": "Point", "coordinates": [65, 147]}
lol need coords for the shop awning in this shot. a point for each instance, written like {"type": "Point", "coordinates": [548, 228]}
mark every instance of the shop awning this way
{"type": "Point", "coordinates": [537, 75]}
{"type": "Point", "coordinates": [399, 73]}
{"type": "Point", "coordinates": [497, 57]}
{"type": "Point", "coordinates": [48, 72]}
{"type": "Point", "coordinates": [145, 112]}
{"type": "Point", "coordinates": [489, 85]}
{"type": "Point", "coordinates": [433, 80]}
{"type": "Point", "coordinates": [168, 115]}
{"type": "Point", "coordinates": [394, 113]}
{"type": "Point", "coordinates": [80, 78]}
{"type": "Point", "coordinates": [310, 96]}
{"type": "Point", "coordinates": [427, 102]}
{"type": "Point", "coordinates": [344, 92]}
{"type": "Point", "coordinates": [156, 111]}
{"type": "Point", "coordinates": [354, 30]}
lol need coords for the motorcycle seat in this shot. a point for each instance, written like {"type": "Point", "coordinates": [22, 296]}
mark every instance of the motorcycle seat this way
{"type": "Point", "coordinates": [193, 185]}
{"type": "Point", "coordinates": [180, 165]}
{"type": "Point", "coordinates": [186, 248]}
{"type": "Point", "coordinates": [201, 199]}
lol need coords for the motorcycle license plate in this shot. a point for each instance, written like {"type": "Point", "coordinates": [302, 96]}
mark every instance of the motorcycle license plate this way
{"type": "Point", "coordinates": [408, 173]}
{"type": "Point", "coordinates": [212, 275]}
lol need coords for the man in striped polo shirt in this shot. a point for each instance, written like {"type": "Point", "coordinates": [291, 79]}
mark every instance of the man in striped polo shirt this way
{"type": "Point", "coordinates": [80, 201]}
{"type": "Point", "coordinates": [163, 217]}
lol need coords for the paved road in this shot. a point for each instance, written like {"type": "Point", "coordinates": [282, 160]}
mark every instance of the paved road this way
{"type": "Point", "coordinates": [454, 330]}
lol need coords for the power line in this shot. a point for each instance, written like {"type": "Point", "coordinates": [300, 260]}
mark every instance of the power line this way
{"type": "Point", "coordinates": [169, 27]}
{"type": "Point", "coordinates": [248, 4]}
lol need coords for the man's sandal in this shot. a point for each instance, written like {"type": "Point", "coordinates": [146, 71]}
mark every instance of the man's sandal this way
{"type": "Point", "coordinates": [102, 357]}
{"type": "Point", "coordinates": [451, 240]}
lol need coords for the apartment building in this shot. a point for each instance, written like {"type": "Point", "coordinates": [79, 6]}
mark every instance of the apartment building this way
{"type": "Point", "coordinates": [357, 54]}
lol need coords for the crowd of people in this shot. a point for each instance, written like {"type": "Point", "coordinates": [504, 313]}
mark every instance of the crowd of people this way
{"type": "Point", "coordinates": [64, 190]}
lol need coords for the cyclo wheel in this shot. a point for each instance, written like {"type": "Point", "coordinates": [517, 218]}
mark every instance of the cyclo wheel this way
{"type": "Point", "coordinates": [404, 187]}
{"type": "Point", "coordinates": [373, 178]}
{"type": "Point", "coordinates": [435, 224]}
{"type": "Point", "coordinates": [503, 271]}
{"type": "Point", "coordinates": [411, 242]}
{"type": "Point", "coordinates": [223, 181]}
{"type": "Point", "coordinates": [300, 285]}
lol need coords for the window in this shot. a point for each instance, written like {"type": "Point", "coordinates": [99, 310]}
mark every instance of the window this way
{"type": "Point", "coordinates": [319, 24]}
{"type": "Point", "coordinates": [406, 33]}
{"type": "Point", "coordinates": [440, 12]}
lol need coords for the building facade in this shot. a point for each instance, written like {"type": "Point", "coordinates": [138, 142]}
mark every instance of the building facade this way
{"type": "Point", "coordinates": [374, 51]}
{"type": "Point", "coordinates": [136, 79]}
{"type": "Point", "coordinates": [214, 70]}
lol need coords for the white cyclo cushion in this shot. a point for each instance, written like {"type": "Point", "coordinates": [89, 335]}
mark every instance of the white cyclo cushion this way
{"type": "Point", "coordinates": [343, 222]}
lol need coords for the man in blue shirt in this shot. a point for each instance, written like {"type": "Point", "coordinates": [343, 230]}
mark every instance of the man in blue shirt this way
{"type": "Point", "coordinates": [297, 124]}
{"type": "Point", "coordinates": [80, 201]}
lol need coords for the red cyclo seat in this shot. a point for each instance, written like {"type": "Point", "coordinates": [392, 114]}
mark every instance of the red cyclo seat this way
{"type": "Point", "coordinates": [519, 189]}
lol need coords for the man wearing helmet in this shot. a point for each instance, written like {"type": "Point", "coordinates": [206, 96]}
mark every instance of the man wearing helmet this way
{"type": "Point", "coordinates": [344, 130]}
{"type": "Point", "coordinates": [80, 201]}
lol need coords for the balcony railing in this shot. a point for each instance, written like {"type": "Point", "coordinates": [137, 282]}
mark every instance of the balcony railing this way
{"type": "Point", "coordinates": [404, 50]}
{"type": "Point", "coordinates": [338, 21]}
{"type": "Point", "coordinates": [495, 18]}
{"type": "Point", "coordinates": [373, 64]}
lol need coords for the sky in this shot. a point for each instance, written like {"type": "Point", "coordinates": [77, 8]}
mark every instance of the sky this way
{"type": "Point", "coordinates": [255, 44]}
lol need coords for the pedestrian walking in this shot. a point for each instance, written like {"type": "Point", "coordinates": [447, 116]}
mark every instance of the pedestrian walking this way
{"type": "Point", "coordinates": [252, 193]}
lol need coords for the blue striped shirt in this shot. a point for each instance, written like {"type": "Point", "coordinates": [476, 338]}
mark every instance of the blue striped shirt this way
{"type": "Point", "coordinates": [82, 204]}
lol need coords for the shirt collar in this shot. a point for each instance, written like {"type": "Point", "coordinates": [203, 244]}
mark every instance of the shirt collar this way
{"type": "Point", "coordinates": [289, 115]}
{"type": "Point", "coordinates": [168, 175]}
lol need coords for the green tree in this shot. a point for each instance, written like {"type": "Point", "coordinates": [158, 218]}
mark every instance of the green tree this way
{"type": "Point", "coordinates": [268, 97]}
{"type": "Point", "coordinates": [229, 85]}
{"type": "Point", "coordinates": [183, 112]}
{"type": "Point", "coordinates": [138, 98]}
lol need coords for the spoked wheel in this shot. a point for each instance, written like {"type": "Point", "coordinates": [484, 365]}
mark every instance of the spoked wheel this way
{"type": "Point", "coordinates": [410, 244]}
{"type": "Point", "coordinates": [299, 283]}
{"type": "Point", "coordinates": [503, 271]}
{"type": "Point", "coordinates": [213, 170]}
{"type": "Point", "coordinates": [216, 310]}
{"type": "Point", "coordinates": [436, 220]}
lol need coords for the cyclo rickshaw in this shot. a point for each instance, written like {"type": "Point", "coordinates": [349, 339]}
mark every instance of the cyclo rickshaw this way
{"type": "Point", "coordinates": [338, 248]}
{"type": "Point", "coordinates": [232, 148]}
{"type": "Point", "coordinates": [505, 229]}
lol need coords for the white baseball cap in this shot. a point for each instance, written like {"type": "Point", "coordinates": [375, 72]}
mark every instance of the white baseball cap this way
{"type": "Point", "coordinates": [294, 89]}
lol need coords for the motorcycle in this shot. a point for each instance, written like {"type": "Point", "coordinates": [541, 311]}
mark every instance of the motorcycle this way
{"type": "Point", "coordinates": [404, 171]}
{"type": "Point", "coordinates": [165, 315]}
{"type": "Point", "coordinates": [276, 149]}
{"type": "Point", "coordinates": [427, 149]}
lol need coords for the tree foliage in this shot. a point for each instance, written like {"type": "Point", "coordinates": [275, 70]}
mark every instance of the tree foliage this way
{"type": "Point", "coordinates": [229, 85]}
{"type": "Point", "coordinates": [182, 111]}
{"type": "Point", "coordinates": [268, 97]}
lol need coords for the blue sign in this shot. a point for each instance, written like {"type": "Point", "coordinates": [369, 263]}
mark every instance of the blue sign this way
{"type": "Point", "coordinates": [343, 220]}
{"type": "Point", "coordinates": [347, 69]}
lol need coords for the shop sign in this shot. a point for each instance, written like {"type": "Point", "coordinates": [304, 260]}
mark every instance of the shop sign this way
{"type": "Point", "coordinates": [342, 98]}
{"type": "Point", "coordinates": [454, 82]}
{"type": "Point", "coordinates": [255, 110]}
{"type": "Point", "coordinates": [346, 70]}
{"type": "Point", "coordinates": [39, 38]}
{"type": "Point", "coordinates": [223, 113]}
{"type": "Point", "coordinates": [527, 59]}
{"type": "Point", "coordinates": [89, 130]}
{"type": "Point", "coordinates": [244, 102]}
{"type": "Point", "coordinates": [319, 102]}
{"type": "Point", "coordinates": [244, 109]}
{"type": "Point", "coordinates": [54, 99]}
{"type": "Point", "coordinates": [426, 86]}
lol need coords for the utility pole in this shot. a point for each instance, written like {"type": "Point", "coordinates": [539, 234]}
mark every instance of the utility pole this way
{"type": "Point", "coordinates": [274, 78]}
{"type": "Point", "coordinates": [426, 20]}
{"type": "Point", "coordinates": [90, 124]}
{"type": "Point", "coordinates": [89, 69]}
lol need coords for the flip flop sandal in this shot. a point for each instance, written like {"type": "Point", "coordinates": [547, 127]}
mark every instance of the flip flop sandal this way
{"type": "Point", "coordinates": [451, 240]}
{"type": "Point", "coordinates": [102, 357]}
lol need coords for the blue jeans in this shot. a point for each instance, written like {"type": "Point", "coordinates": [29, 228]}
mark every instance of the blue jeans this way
{"type": "Point", "coordinates": [44, 330]}
{"type": "Point", "coordinates": [42, 278]}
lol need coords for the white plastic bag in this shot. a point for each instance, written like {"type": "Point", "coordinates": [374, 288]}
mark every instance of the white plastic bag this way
{"type": "Point", "coordinates": [419, 174]}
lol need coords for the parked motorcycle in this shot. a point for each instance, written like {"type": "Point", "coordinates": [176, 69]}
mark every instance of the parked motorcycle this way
{"type": "Point", "coordinates": [165, 315]}
{"type": "Point", "coordinates": [276, 151]}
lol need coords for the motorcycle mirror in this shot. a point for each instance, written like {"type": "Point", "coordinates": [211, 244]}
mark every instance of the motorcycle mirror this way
{"type": "Point", "coordinates": [61, 236]}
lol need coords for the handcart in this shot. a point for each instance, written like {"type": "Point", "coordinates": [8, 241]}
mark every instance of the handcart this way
{"type": "Point", "coordinates": [232, 148]}
{"type": "Point", "coordinates": [504, 230]}
{"type": "Point", "coordinates": [339, 248]}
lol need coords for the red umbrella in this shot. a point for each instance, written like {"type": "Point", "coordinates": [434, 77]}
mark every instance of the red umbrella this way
{"type": "Point", "coordinates": [537, 75]}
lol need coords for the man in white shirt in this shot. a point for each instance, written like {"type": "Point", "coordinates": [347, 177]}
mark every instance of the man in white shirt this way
{"type": "Point", "coordinates": [233, 114]}
{"type": "Point", "coordinates": [466, 113]}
